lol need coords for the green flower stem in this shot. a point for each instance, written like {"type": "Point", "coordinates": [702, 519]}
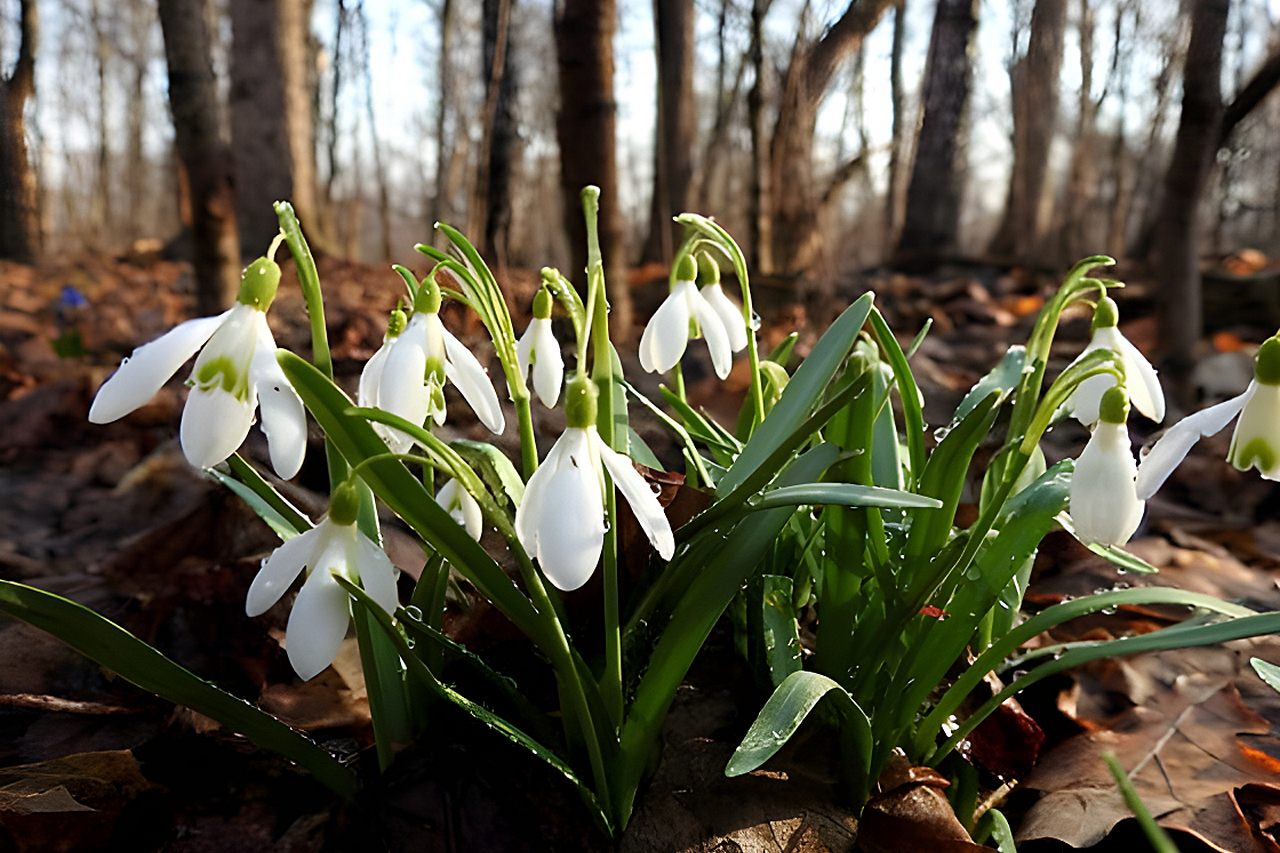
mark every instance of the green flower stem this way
{"type": "Point", "coordinates": [384, 671]}
{"type": "Point", "coordinates": [602, 375]}
{"type": "Point", "coordinates": [725, 243]}
{"type": "Point", "coordinates": [677, 381]}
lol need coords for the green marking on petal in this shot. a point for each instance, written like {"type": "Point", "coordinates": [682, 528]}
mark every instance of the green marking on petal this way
{"type": "Point", "coordinates": [1267, 366]}
{"type": "Point", "coordinates": [1257, 452]}
{"type": "Point", "coordinates": [222, 371]}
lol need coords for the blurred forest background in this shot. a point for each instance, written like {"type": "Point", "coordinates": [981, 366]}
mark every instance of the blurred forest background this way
{"type": "Point", "coordinates": [829, 136]}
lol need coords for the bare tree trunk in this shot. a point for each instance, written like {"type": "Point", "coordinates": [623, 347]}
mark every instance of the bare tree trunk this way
{"type": "Point", "coordinates": [335, 92]}
{"type": "Point", "coordinates": [932, 218]}
{"type": "Point", "coordinates": [897, 100]}
{"type": "Point", "coordinates": [760, 228]}
{"type": "Point", "coordinates": [1121, 168]}
{"type": "Point", "coordinates": [504, 148]}
{"type": "Point", "coordinates": [1035, 116]}
{"type": "Point", "coordinates": [103, 207]}
{"type": "Point", "coordinates": [271, 118]}
{"type": "Point", "coordinates": [797, 240]}
{"type": "Point", "coordinates": [676, 128]}
{"type": "Point", "coordinates": [19, 205]}
{"type": "Point", "coordinates": [135, 153]}
{"type": "Point", "coordinates": [206, 162]}
{"type": "Point", "coordinates": [1082, 176]}
{"type": "Point", "coordinates": [496, 27]}
{"type": "Point", "coordinates": [440, 200]}
{"type": "Point", "coordinates": [586, 127]}
{"type": "Point", "coordinates": [379, 167]}
{"type": "Point", "coordinates": [1177, 249]}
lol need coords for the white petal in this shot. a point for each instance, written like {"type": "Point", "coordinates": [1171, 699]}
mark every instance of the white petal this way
{"type": "Point", "coordinates": [1087, 397]}
{"type": "Point", "coordinates": [282, 567]}
{"type": "Point", "coordinates": [462, 508]}
{"type": "Point", "coordinates": [1177, 441]}
{"type": "Point", "coordinates": [149, 366]}
{"type": "Point", "coordinates": [376, 572]}
{"type": "Point", "coordinates": [318, 623]}
{"type": "Point", "coordinates": [548, 364]}
{"type": "Point", "coordinates": [1104, 505]}
{"type": "Point", "coordinates": [730, 315]}
{"type": "Point", "coordinates": [644, 503]}
{"type": "Point", "coordinates": [402, 389]}
{"type": "Point", "coordinates": [564, 517]}
{"type": "Point", "coordinates": [714, 332]}
{"type": "Point", "coordinates": [524, 349]}
{"type": "Point", "coordinates": [214, 425]}
{"type": "Point", "coordinates": [466, 374]}
{"type": "Point", "coordinates": [665, 338]}
{"type": "Point", "coordinates": [284, 420]}
{"type": "Point", "coordinates": [1256, 440]}
{"type": "Point", "coordinates": [529, 512]}
{"type": "Point", "coordinates": [371, 376]}
{"type": "Point", "coordinates": [1141, 381]}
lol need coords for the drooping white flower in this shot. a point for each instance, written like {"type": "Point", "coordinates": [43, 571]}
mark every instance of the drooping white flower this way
{"type": "Point", "coordinates": [561, 519]}
{"type": "Point", "coordinates": [684, 314]}
{"type": "Point", "coordinates": [367, 393]}
{"type": "Point", "coordinates": [1255, 442]}
{"type": "Point", "coordinates": [538, 351]}
{"type": "Point", "coordinates": [322, 612]}
{"type": "Point", "coordinates": [422, 358]}
{"type": "Point", "coordinates": [462, 508]}
{"type": "Point", "coordinates": [1104, 504]}
{"type": "Point", "coordinates": [726, 309]}
{"type": "Point", "coordinates": [1140, 377]}
{"type": "Point", "coordinates": [235, 374]}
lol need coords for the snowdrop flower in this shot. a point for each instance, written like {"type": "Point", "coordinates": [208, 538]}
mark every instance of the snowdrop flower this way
{"type": "Point", "coordinates": [684, 314]}
{"type": "Point", "coordinates": [422, 358]}
{"type": "Point", "coordinates": [730, 314]}
{"type": "Point", "coordinates": [462, 508]}
{"type": "Point", "coordinates": [538, 351]}
{"type": "Point", "coordinates": [367, 394]}
{"type": "Point", "coordinates": [1104, 503]}
{"type": "Point", "coordinates": [561, 520]}
{"type": "Point", "coordinates": [1140, 376]}
{"type": "Point", "coordinates": [235, 373]}
{"type": "Point", "coordinates": [1255, 442]}
{"type": "Point", "coordinates": [321, 613]}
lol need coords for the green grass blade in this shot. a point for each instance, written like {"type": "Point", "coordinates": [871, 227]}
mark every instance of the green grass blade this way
{"type": "Point", "coordinates": [1268, 672]}
{"type": "Point", "coordinates": [1158, 839]}
{"type": "Point", "coordinates": [786, 709]}
{"type": "Point", "coordinates": [842, 494]}
{"type": "Point", "coordinates": [111, 646]}
{"type": "Point", "coordinates": [908, 391]}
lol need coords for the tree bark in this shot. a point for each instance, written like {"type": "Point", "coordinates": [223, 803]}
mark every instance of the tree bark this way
{"type": "Point", "coordinates": [932, 218]}
{"type": "Point", "coordinates": [19, 201]}
{"type": "Point", "coordinates": [206, 162]}
{"type": "Point", "coordinates": [1035, 116]}
{"type": "Point", "coordinates": [897, 100]}
{"type": "Point", "coordinates": [1177, 247]}
{"type": "Point", "coordinates": [1082, 175]}
{"type": "Point", "coordinates": [760, 224]}
{"type": "Point", "coordinates": [586, 127]}
{"type": "Point", "coordinates": [440, 199]}
{"type": "Point", "coordinates": [797, 239]}
{"type": "Point", "coordinates": [676, 128]}
{"type": "Point", "coordinates": [504, 148]}
{"type": "Point", "coordinates": [271, 118]}
{"type": "Point", "coordinates": [379, 164]}
{"type": "Point", "coordinates": [497, 109]}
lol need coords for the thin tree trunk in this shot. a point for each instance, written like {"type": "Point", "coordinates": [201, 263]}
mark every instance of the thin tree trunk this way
{"type": "Point", "coordinates": [379, 167]}
{"type": "Point", "coordinates": [19, 200]}
{"type": "Point", "coordinates": [1035, 115]}
{"type": "Point", "coordinates": [1081, 179]}
{"type": "Point", "coordinates": [440, 201]}
{"type": "Point", "coordinates": [797, 241]}
{"type": "Point", "coordinates": [1121, 168]}
{"type": "Point", "coordinates": [586, 127]}
{"type": "Point", "coordinates": [676, 127]}
{"type": "Point", "coordinates": [136, 167]}
{"type": "Point", "coordinates": [504, 148]}
{"type": "Point", "coordinates": [331, 129]}
{"type": "Point", "coordinates": [496, 28]}
{"type": "Point", "coordinates": [206, 162]}
{"type": "Point", "coordinates": [932, 218]}
{"type": "Point", "coordinates": [760, 227]}
{"type": "Point", "coordinates": [105, 213]}
{"type": "Point", "coordinates": [1177, 248]}
{"type": "Point", "coordinates": [897, 100]}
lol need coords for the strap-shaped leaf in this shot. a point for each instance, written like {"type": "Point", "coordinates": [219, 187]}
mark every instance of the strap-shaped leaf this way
{"type": "Point", "coordinates": [786, 709]}
{"type": "Point", "coordinates": [111, 646]}
{"type": "Point", "coordinates": [842, 494]}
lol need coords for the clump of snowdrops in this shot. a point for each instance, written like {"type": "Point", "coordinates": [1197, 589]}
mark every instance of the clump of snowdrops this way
{"type": "Point", "coordinates": [826, 494]}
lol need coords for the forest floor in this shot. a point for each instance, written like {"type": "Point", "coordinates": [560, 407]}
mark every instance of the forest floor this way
{"type": "Point", "coordinates": [112, 517]}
